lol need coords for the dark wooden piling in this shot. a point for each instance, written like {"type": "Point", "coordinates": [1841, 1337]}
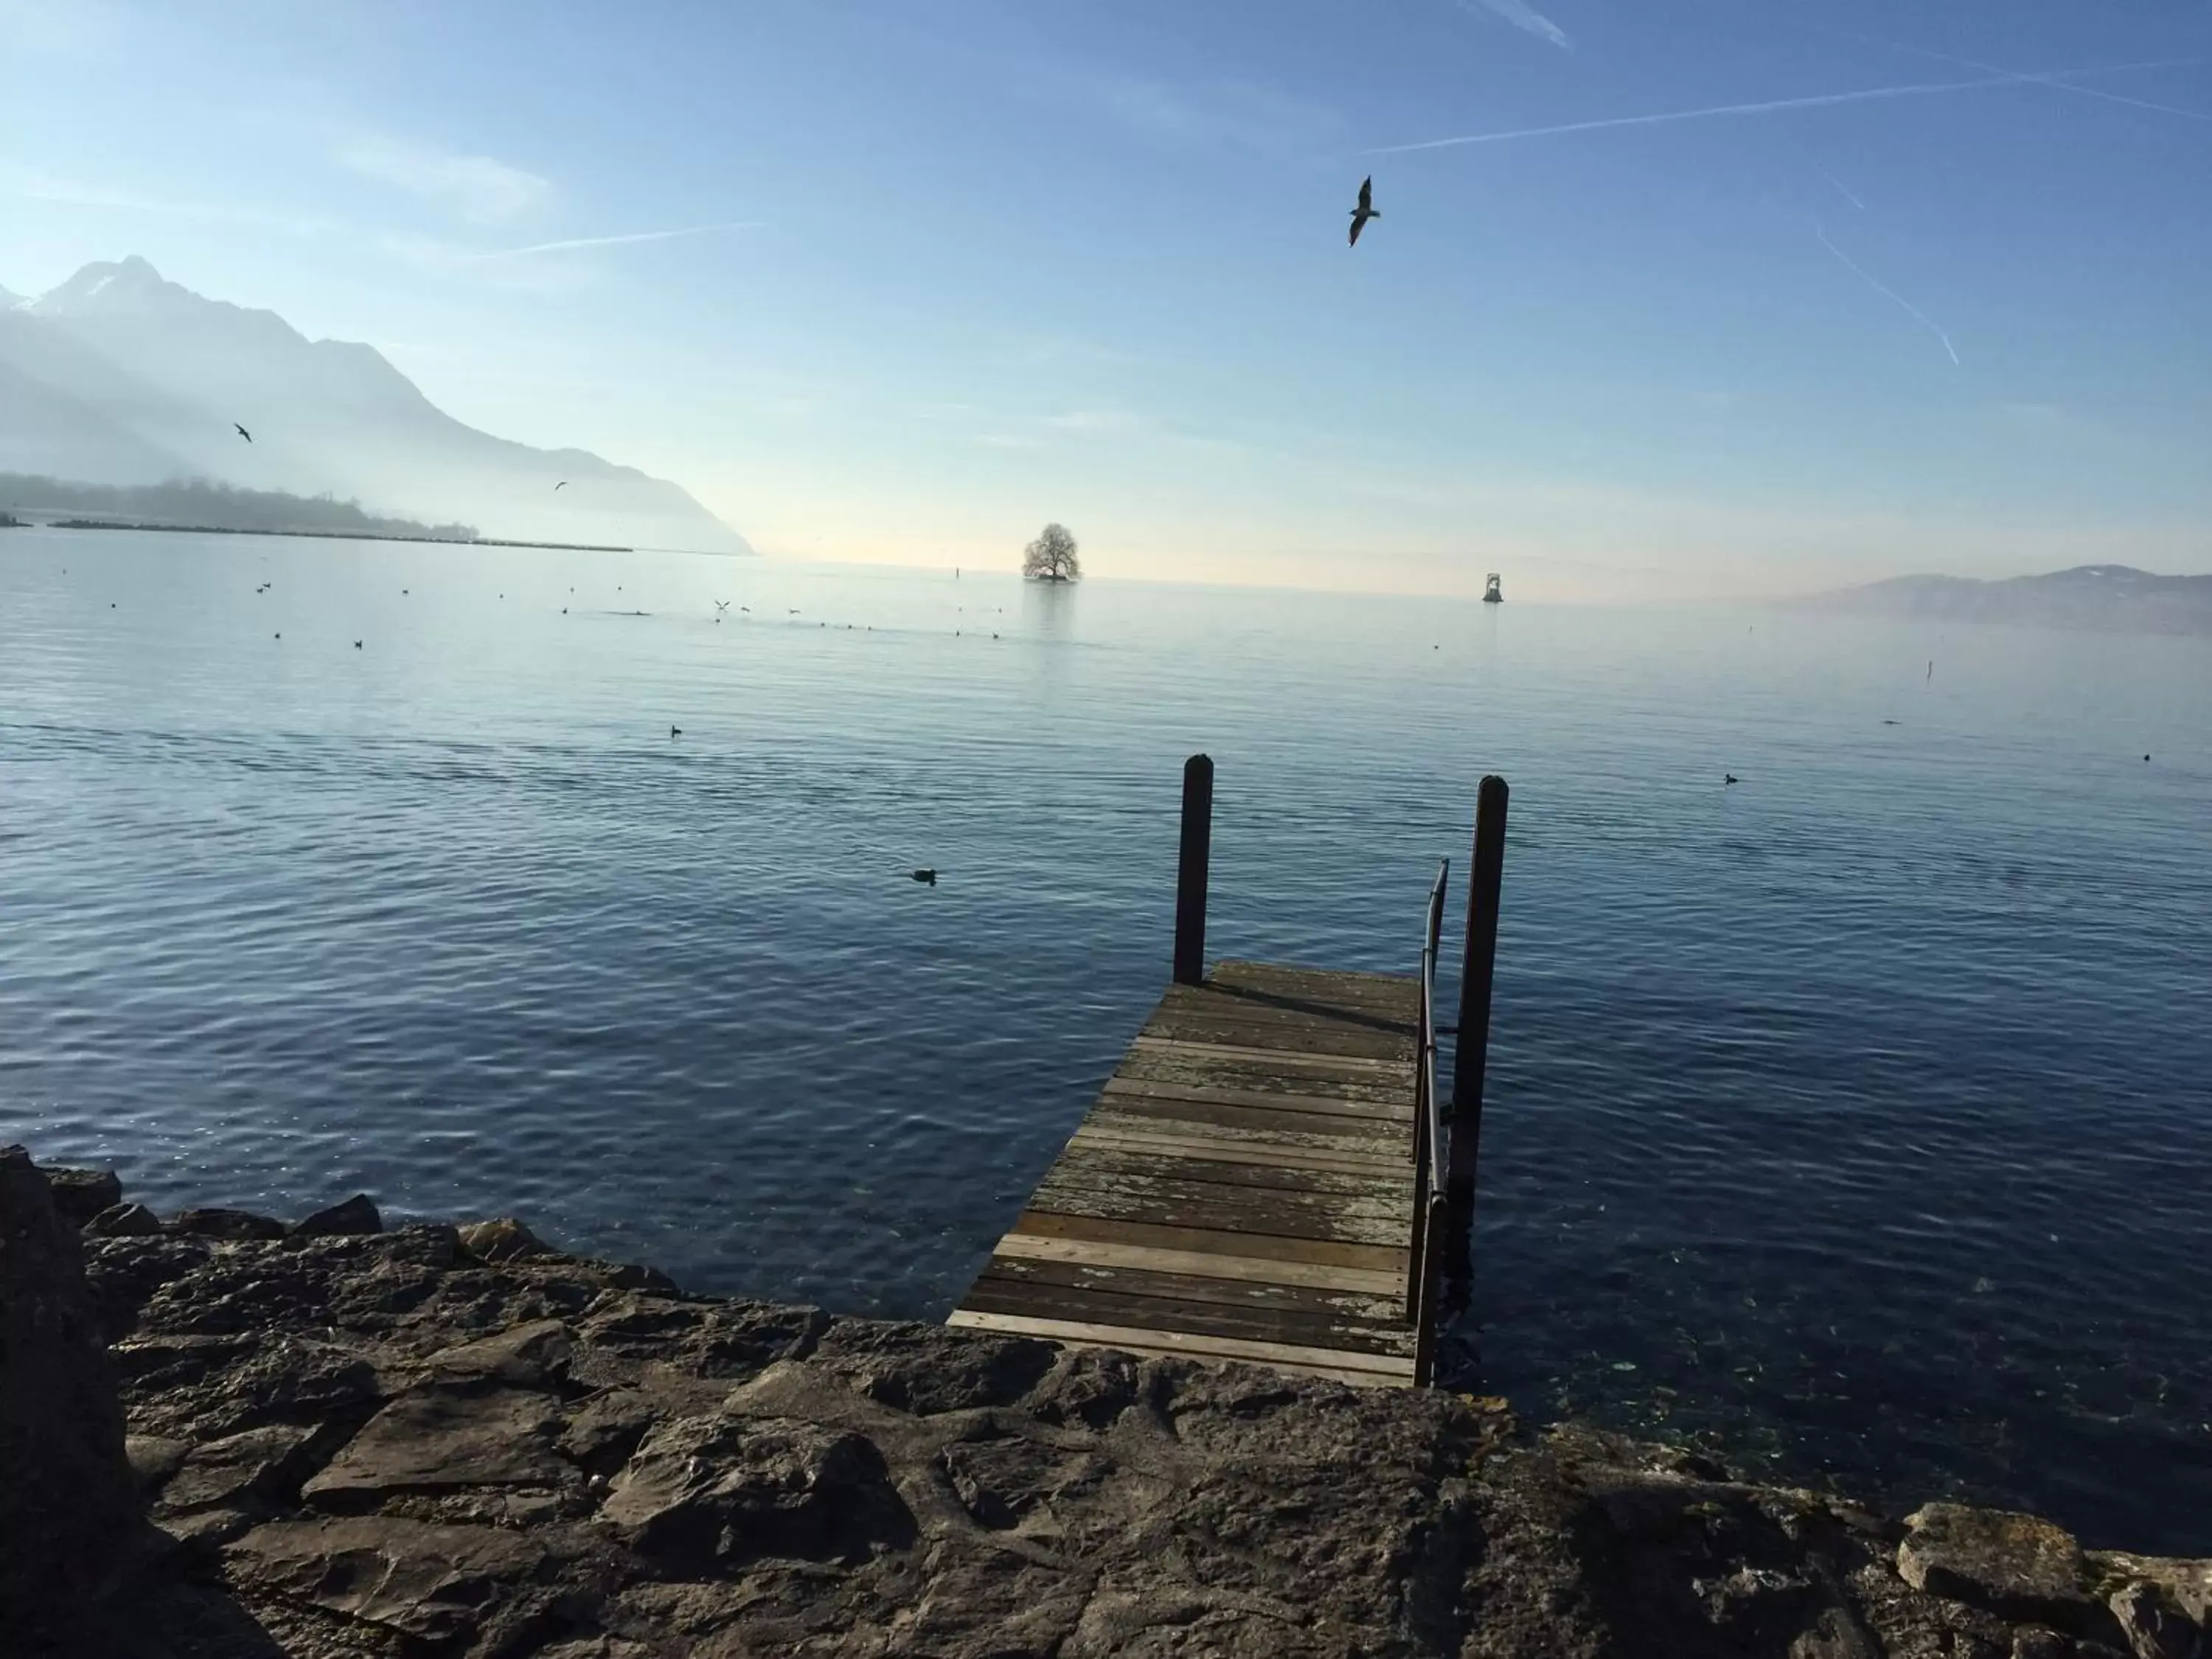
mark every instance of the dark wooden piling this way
{"type": "Point", "coordinates": [1484, 875]}
{"type": "Point", "coordinates": [1190, 870]}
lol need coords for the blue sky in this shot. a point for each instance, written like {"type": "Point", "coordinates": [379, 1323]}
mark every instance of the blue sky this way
{"type": "Point", "coordinates": [973, 266]}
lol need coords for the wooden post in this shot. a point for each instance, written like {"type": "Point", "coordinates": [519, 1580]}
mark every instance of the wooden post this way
{"type": "Point", "coordinates": [1190, 870]}
{"type": "Point", "coordinates": [1484, 879]}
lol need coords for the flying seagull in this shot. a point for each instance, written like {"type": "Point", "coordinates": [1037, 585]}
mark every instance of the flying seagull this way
{"type": "Point", "coordinates": [1365, 211]}
{"type": "Point", "coordinates": [562, 485]}
{"type": "Point", "coordinates": [927, 877]}
{"type": "Point", "coordinates": [357, 645]}
{"type": "Point", "coordinates": [721, 605]}
{"type": "Point", "coordinates": [243, 432]}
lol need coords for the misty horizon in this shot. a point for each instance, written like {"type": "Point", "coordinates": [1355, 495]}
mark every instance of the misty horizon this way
{"type": "Point", "coordinates": [1662, 304]}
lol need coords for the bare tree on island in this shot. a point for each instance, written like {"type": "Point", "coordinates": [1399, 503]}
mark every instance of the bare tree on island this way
{"type": "Point", "coordinates": [1051, 557]}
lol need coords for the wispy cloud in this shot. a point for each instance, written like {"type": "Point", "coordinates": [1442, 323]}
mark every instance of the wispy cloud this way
{"type": "Point", "coordinates": [1921, 316]}
{"type": "Point", "coordinates": [1522, 16]}
{"type": "Point", "coordinates": [476, 187]}
{"type": "Point", "coordinates": [574, 242]}
{"type": "Point", "coordinates": [1762, 106]}
{"type": "Point", "coordinates": [1096, 420]}
{"type": "Point", "coordinates": [68, 192]}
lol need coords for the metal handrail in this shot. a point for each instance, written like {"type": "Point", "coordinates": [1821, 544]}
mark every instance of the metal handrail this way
{"type": "Point", "coordinates": [1429, 1160]}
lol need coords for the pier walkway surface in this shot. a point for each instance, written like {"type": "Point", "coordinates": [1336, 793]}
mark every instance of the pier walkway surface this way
{"type": "Point", "coordinates": [1243, 1189]}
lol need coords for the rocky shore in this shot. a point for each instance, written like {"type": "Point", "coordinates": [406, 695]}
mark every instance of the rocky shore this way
{"type": "Point", "coordinates": [222, 1434]}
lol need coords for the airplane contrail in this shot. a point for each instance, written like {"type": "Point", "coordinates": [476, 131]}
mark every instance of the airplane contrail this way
{"type": "Point", "coordinates": [1849, 194]}
{"type": "Point", "coordinates": [615, 241]}
{"type": "Point", "coordinates": [1924, 319]}
{"type": "Point", "coordinates": [2052, 80]}
{"type": "Point", "coordinates": [1867, 94]}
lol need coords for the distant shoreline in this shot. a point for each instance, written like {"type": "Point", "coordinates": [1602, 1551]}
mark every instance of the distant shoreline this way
{"type": "Point", "coordinates": [322, 535]}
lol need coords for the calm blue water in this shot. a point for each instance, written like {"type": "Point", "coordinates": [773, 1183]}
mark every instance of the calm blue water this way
{"type": "Point", "coordinates": [1857, 1119]}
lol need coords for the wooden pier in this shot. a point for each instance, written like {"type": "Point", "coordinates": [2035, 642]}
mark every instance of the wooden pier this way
{"type": "Point", "coordinates": [1267, 1177]}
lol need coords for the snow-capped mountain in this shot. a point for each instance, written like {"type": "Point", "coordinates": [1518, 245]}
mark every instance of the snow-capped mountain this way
{"type": "Point", "coordinates": [121, 377]}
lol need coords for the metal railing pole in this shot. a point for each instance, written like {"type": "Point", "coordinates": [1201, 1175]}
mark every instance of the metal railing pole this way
{"type": "Point", "coordinates": [1428, 1154]}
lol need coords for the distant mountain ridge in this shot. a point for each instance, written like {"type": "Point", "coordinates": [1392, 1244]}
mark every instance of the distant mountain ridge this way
{"type": "Point", "coordinates": [121, 377]}
{"type": "Point", "coordinates": [2104, 598]}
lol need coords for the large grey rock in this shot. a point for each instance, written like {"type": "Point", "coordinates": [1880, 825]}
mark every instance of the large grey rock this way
{"type": "Point", "coordinates": [354, 1217]}
{"type": "Point", "coordinates": [434, 1583]}
{"type": "Point", "coordinates": [439, 1439]}
{"type": "Point", "coordinates": [81, 1194]}
{"type": "Point", "coordinates": [124, 1221]}
{"type": "Point", "coordinates": [2017, 1566]}
{"type": "Point", "coordinates": [70, 1504]}
{"type": "Point", "coordinates": [718, 1491]}
{"type": "Point", "coordinates": [264, 1463]}
{"type": "Point", "coordinates": [532, 1356]}
{"type": "Point", "coordinates": [2156, 1626]}
{"type": "Point", "coordinates": [503, 1239]}
{"type": "Point", "coordinates": [234, 1225]}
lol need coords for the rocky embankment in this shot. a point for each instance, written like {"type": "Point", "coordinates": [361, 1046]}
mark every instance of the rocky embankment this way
{"type": "Point", "coordinates": [221, 1435]}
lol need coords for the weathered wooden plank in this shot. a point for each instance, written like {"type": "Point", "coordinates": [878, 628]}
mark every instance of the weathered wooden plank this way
{"type": "Point", "coordinates": [1086, 1164]}
{"type": "Point", "coordinates": [1282, 1039]}
{"type": "Point", "coordinates": [1367, 1133]}
{"type": "Point", "coordinates": [995, 1294]}
{"type": "Point", "coordinates": [1377, 1370]}
{"type": "Point", "coordinates": [1344, 1221]}
{"type": "Point", "coordinates": [1205, 1264]}
{"type": "Point", "coordinates": [1384, 993]}
{"type": "Point", "coordinates": [1325, 1252]}
{"type": "Point", "coordinates": [1200, 1070]}
{"type": "Point", "coordinates": [1216, 999]}
{"type": "Point", "coordinates": [1275, 1012]}
{"type": "Point", "coordinates": [1297, 1301]}
{"type": "Point", "coordinates": [1190, 1184]}
{"type": "Point", "coordinates": [1109, 1132]}
{"type": "Point", "coordinates": [1301, 1065]}
{"type": "Point", "coordinates": [1282, 1010]}
{"type": "Point", "coordinates": [1279, 1100]}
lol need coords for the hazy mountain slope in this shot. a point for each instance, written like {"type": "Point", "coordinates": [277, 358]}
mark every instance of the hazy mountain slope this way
{"type": "Point", "coordinates": [46, 431]}
{"type": "Point", "coordinates": [170, 371]}
{"type": "Point", "coordinates": [2110, 597]}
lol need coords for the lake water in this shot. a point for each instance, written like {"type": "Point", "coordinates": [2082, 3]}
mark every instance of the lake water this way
{"type": "Point", "coordinates": [1856, 1120]}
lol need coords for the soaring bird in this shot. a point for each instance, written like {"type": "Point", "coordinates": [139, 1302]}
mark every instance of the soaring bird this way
{"type": "Point", "coordinates": [1365, 211]}
{"type": "Point", "coordinates": [927, 877]}
{"type": "Point", "coordinates": [562, 485]}
{"type": "Point", "coordinates": [357, 645]}
{"type": "Point", "coordinates": [243, 432]}
{"type": "Point", "coordinates": [721, 605]}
